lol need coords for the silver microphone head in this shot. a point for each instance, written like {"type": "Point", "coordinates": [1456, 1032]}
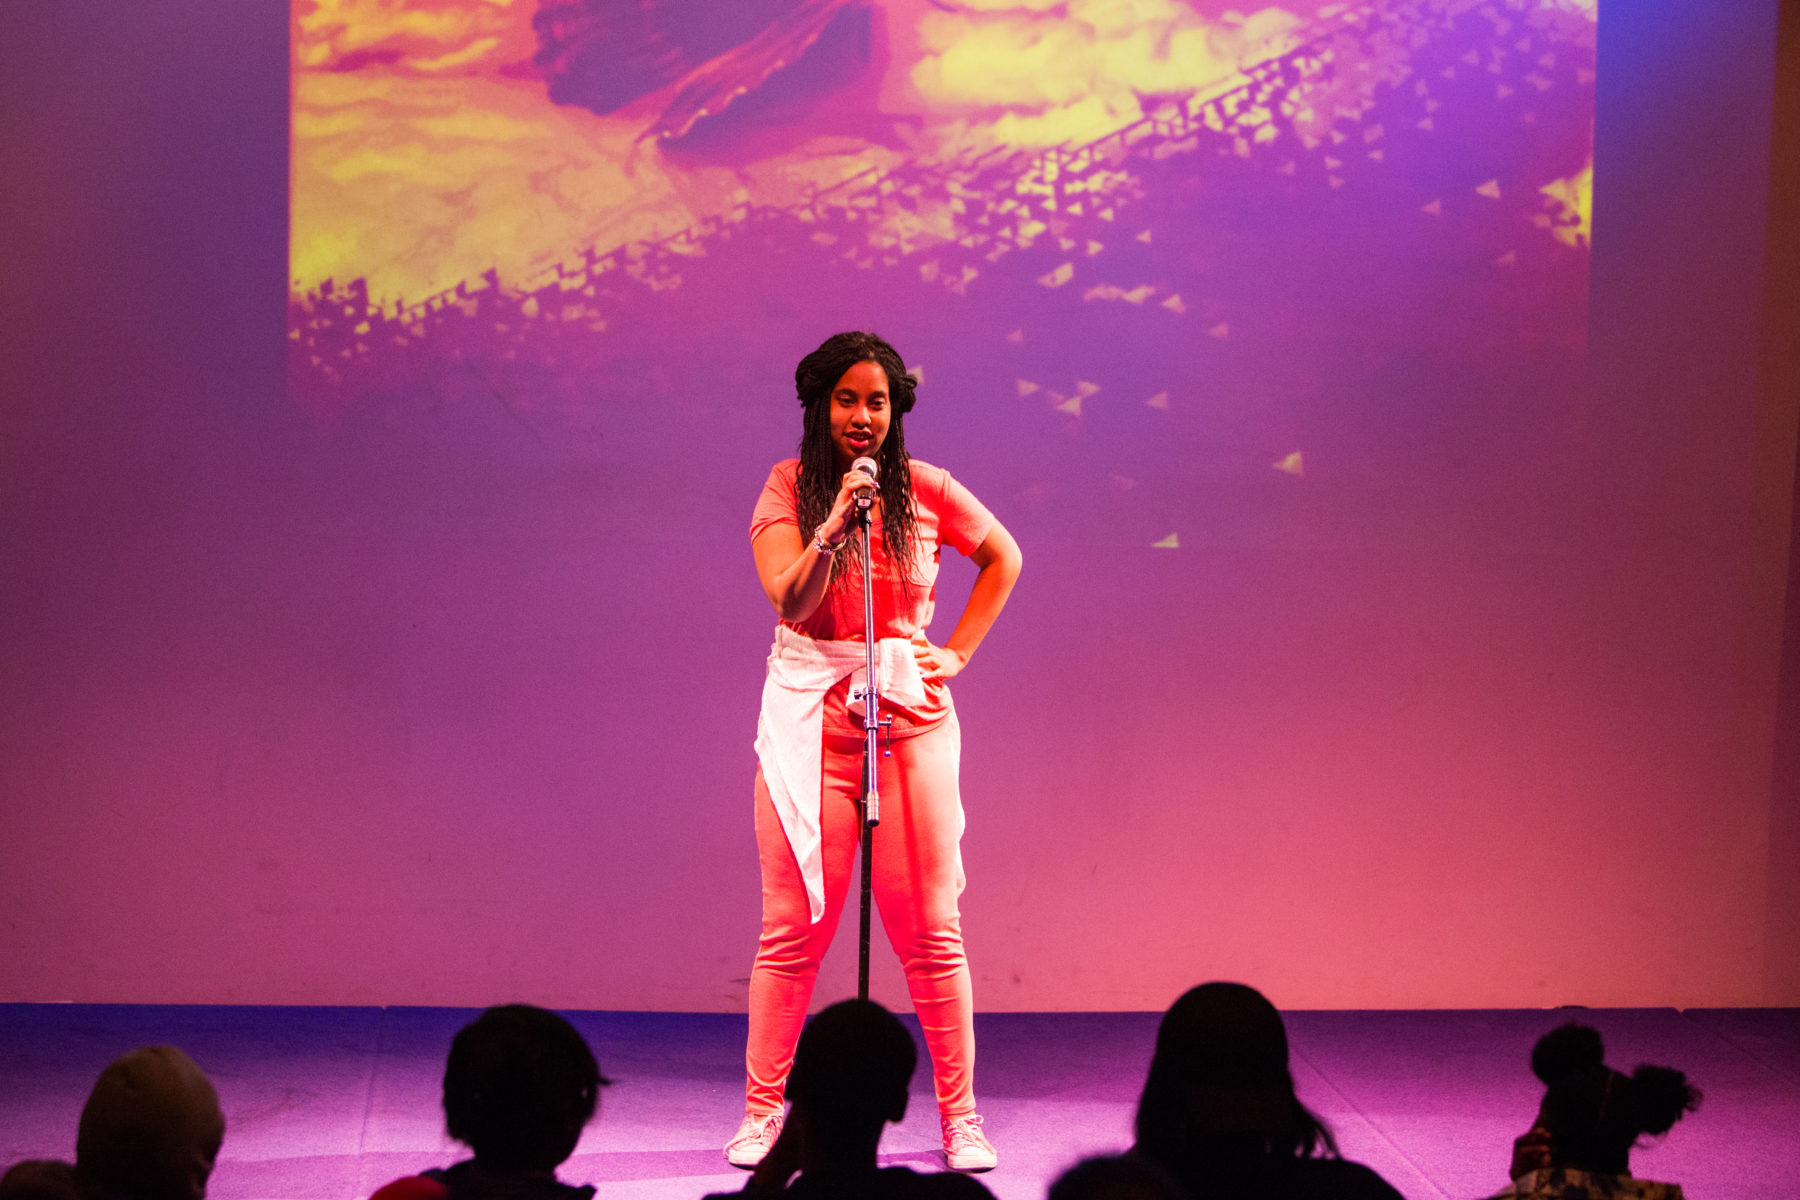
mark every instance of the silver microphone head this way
{"type": "Point", "coordinates": [867, 467]}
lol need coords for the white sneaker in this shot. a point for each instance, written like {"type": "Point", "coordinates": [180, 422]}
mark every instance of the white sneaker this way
{"type": "Point", "coordinates": [966, 1148]}
{"type": "Point", "coordinates": [753, 1139]}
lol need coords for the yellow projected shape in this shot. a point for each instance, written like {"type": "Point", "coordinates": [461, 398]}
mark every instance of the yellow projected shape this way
{"type": "Point", "coordinates": [1490, 189]}
{"type": "Point", "coordinates": [1435, 208]}
{"type": "Point", "coordinates": [1221, 330]}
{"type": "Point", "coordinates": [1084, 389]}
{"type": "Point", "coordinates": [1160, 400]}
{"type": "Point", "coordinates": [1292, 464]}
{"type": "Point", "coordinates": [1059, 276]}
{"type": "Point", "coordinates": [1112, 291]}
{"type": "Point", "coordinates": [1172, 542]}
{"type": "Point", "coordinates": [1017, 338]}
{"type": "Point", "coordinates": [1426, 125]}
{"type": "Point", "coordinates": [1573, 200]}
{"type": "Point", "coordinates": [1026, 387]}
{"type": "Point", "coordinates": [1144, 237]}
{"type": "Point", "coordinates": [1071, 405]}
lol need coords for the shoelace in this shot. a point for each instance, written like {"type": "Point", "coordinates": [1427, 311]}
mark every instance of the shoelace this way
{"type": "Point", "coordinates": [765, 1130]}
{"type": "Point", "coordinates": [965, 1131]}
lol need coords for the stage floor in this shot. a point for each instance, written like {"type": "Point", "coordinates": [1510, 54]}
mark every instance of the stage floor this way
{"type": "Point", "coordinates": [334, 1102]}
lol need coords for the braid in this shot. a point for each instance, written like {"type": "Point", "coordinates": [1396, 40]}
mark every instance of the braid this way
{"type": "Point", "coordinates": [818, 480]}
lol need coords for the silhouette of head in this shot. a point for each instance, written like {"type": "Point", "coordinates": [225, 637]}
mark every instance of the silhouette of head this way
{"type": "Point", "coordinates": [39, 1179]}
{"type": "Point", "coordinates": [1594, 1114]}
{"type": "Point", "coordinates": [1115, 1177]}
{"type": "Point", "coordinates": [519, 1086]}
{"type": "Point", "coordinates": [850, 1071]}
{"type": "Point", "coordinates": [151, 1129]}
{"type": "Point", "coordinates": [1220, 1074]}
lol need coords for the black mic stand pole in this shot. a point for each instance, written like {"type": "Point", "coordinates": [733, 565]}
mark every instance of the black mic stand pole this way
{"type": "Point", "coordinates": [872, 723]}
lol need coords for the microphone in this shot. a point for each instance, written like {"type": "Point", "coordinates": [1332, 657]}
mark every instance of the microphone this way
{"type": "Point", "coordinates": [866, 496]}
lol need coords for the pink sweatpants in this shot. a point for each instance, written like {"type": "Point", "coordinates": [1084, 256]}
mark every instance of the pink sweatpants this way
{"type": "Point", "coordinates": [917, 879]}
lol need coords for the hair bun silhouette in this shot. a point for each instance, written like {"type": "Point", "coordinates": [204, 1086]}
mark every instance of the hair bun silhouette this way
{"type": "Point", "coordinates": [1594, 1115]}
{"type": "Point", "coordinates": [1663, 1096]}
{"type": "Point", "coordinates": [1567, 1051]}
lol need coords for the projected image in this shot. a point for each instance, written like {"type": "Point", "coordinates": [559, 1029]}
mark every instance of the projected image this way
{"type": "Point", "coordinates": [1125, 203]}
{"type": "Point", "coordinates": [1263, 330]}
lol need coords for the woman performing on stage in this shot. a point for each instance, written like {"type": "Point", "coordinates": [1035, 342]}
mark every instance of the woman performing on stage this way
{"type": "Point", "coordinates": [809, 738]}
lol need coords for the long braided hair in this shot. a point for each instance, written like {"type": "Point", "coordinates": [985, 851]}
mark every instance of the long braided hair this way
{"type": "Point", "coordinates": [817, 485]}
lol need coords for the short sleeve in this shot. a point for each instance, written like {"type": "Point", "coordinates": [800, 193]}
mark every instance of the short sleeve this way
{"type": "Point", "coordinates": [963, 521]}
{"type": "Point", "coordinates": [777, 504]}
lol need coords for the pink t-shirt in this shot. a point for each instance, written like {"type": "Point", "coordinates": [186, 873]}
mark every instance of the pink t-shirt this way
{"type": "Point", "coordinates": [947, 514]}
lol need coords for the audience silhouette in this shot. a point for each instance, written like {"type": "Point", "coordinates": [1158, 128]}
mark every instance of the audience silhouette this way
{"type": "Point", "coordinates": [151, 1130]}
{"type": "Point", "coordinates": [851, 1070]}
{"type": "Point", "coordinates": [1219, 1111]}
{"type": "Point", "coordinates": [1579, 1147]}
{"type": "Point", "coordinates": [40, 1179]}
{"type": "Point", "coordinates": [1115, 1177]}
{"type": "Point", "coordinates": [519, 1086]}
{"type": "Point", "coordinates": [1218, 1118]}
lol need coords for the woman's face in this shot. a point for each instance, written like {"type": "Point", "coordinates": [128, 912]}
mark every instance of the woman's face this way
{"type": "Point", "coordinates": [860, 412]}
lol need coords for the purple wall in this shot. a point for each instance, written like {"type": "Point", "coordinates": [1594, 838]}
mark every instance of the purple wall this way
{"type": "Point", "coordinates": [445, 696]}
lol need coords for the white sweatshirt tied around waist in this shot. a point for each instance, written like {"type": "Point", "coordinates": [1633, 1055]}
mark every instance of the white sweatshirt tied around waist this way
{"type": "Point", "coordinates": [790, 730]}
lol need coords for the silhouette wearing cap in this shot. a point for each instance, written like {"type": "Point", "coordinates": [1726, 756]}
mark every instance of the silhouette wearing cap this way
{"type": "Point", "coordinates": [1219, 1111]}
{"type": "Point", "coordinates": [151, 1130]}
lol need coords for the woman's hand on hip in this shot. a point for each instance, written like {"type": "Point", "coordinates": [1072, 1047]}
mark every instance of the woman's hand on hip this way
{"type": "Point", "coordinates": [936, 662]}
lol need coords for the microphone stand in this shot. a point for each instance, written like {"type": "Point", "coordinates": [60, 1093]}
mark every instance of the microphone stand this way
{"type": "Point", "coordinates": [872, 724]}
